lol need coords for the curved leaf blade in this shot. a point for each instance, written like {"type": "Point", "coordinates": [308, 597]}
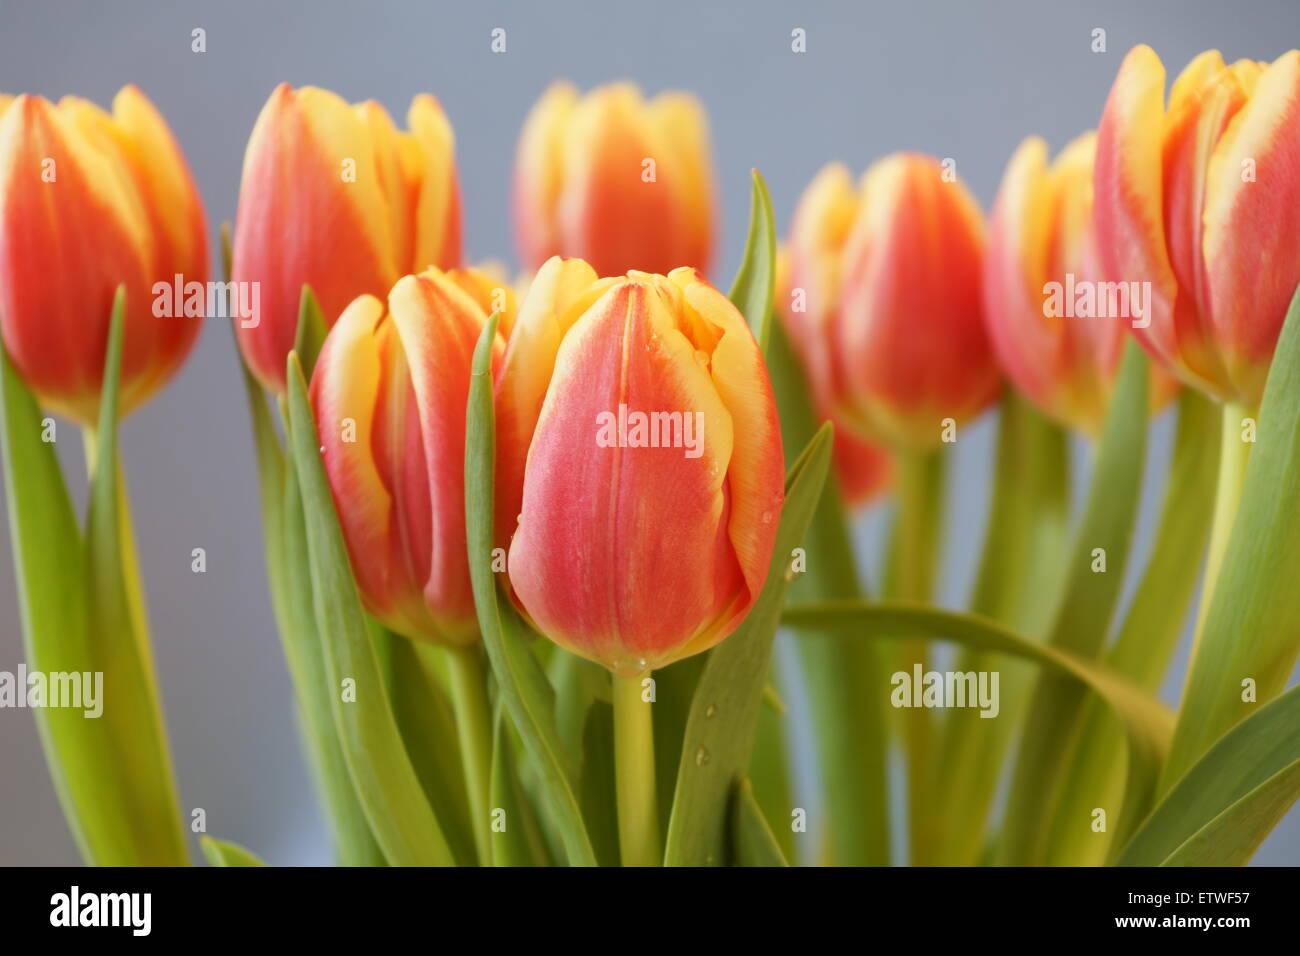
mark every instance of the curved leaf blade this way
{"type": "Point", "coordinates": [224, 853]}
{"type": "Point", "coordinates": [753, 842]}
{"type": "Point", "coordinates": [522, 683]}
{"type": "Point", "coordinates": [403, 823]}
{"type": "Point", "coordinates": [755, 283]}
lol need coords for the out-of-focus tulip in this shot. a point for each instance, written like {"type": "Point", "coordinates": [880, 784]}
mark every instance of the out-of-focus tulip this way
{"type": "Point", "coordinates": [336, 197]}
{"type": "Point", "coordinates": [1202, 201]}
{"type": "Point", "coordinates": [640, 463]}
{"type": "Point", "coordinates": [885, 300]}
{"type": "Point", "coordinates": [863, 469]}
{"type": "Point", "coordinates": [618, 181]}
{"type": "Point", "coordinates": [90, 201]}
{"type": "Point", "coordinates": [389, 393]}
{"type": "Point", "coordinates": [1057, 328]}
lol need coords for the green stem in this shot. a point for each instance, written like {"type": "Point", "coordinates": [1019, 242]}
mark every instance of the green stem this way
{"type": "Point", "coordinates": [920, 493]}
{"type": "Point", "coordinates": [634, 774]}
{"type": "Point", "coordinates": [474, 731]}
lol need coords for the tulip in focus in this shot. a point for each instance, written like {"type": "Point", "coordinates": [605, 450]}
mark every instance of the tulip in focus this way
{"type": "Point", "coordinates": [389, 394]}
{"type": "Point", "coordinates": [621, 182]}
{"type": "Point", "coordinates": [89, 201]}
{"type": "Point", "coordinates": [1201, 198]}
{"type": "Point", "coordinates": [640, 463]}
{"type": "Point", "coordinates": [334, 196]}
{"type": "Point", "coordinates": [1042, 249]}
{"type": "Point", "coordinates": [884, 303]}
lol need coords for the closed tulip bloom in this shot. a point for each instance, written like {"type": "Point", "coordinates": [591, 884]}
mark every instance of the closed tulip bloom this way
{"type": "Point", "coordinates": [89, 201]}
{"type": "Point", "coordinates": [334, 196]}
{"type": "Point", "coordinates": [389, 394]}
{"type": "Point", "coordinates": [885, 300]}
{"type": "Point", "coordinates": [1201, 199]}
{"type": "Point", "coordinates": [652, 482]}
{"type": "Point", "coordinates": [487, 285]}
{"type": "Point", "coordinates": [613, 179]}
{"type": "Point", "coordinates": [1042, 251]}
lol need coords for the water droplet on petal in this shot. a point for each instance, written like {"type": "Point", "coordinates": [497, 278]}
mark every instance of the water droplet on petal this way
{"type": "Point", "coordinates": [767, 517]}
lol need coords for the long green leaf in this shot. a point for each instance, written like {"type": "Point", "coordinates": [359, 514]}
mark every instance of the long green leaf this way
{"type": "Point", "coordinates": [523, 686]}
{"type": "Point", "coordinates": [755, 283]}
{"type": "Point", "coordinates": [133, 714]}
{"type": "Point", "coordinates": [724, 713]}
{"type": "Point", "coordinates": [849, 721]}
{"type": "Point", "coordinates": [516, 841]}
{"type": "Point", "coordinates": [1147, 723]}
{"type": "Point", "coordinates": [403, 823]}
{"type": "Point", "coordinates": [224, 853]}
{"type": "Point", "coordinates": [1082, 622]}
{"type": "Point", "coordinates": [1252, 629]}
{"type": "Point", "coordinates": [1221, 810]}
{"type": "Point", "coordinates": [1146, 641]}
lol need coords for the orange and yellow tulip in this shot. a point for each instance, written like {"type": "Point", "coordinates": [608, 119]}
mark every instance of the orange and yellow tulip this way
{"type": "Point", "coordinates": [1201, 199]}
{"type": "Point", "coordinates": [885, 300]}
{"type": "Point", "coordinates": [389, 394]}
{"type": "Point", "coordinates": [90, 201]}
{"type": "Point", "coordinates": [639, 463]}
{"type": "Point", "coordinates": [613, 179]}
{"type": "Point", "coordinates": [1042, 249]}
{"type": "Point", "coordinates": [334, 196]}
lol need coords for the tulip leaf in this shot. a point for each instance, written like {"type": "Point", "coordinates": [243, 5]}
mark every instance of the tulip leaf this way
{"type": "Point", "coordinates": [720, 731]}
{"type": "Point", "coordinates": [403, 823]}
{"type": "Point", "coordinates": [1093, 579]}
{"type": "Point", "coordinates": [755, 283]}
{"type": "Point", "coordinates": [1252, 628]}
{"type": "Point", "coordinates": [522, 684]}
{"type": "Point", "coordinates": [849, 720]}
{"type": "Point", "coordinates": [1147, 723]}
{"type": "Point", "coordinates": [1147, 638]}
{"type": "Point", "coordinates": [224, 853]}
{"type": "Point", "coordinates": [133, 717]}
{"type": "Point", "coordinates": [753, 843]}
{"type": "Point", "coordinates": [311, 330]}
{"type": "Point", "coordinates": [1221, 810]}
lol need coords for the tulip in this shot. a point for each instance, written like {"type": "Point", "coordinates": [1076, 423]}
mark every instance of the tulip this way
{"type": "Point", "coordinates": [1042, 246]}
{"type": "Point", "coordinates": [862, 468]}
{"type": "Point", "coordinates": [389, 393]}
{"type": "Point", "coordinates": [334, 196]}
{"type": "Point", "coordinates": [640, 463]}
{"type": "Point", "coordinates": [90, 201]}
{"type": "Point", "coordinates": [615, 180]}
{"type": "Point", "coordinates": [486, 285]}
{"type": "Point", "coordinates": [1202, 201]}
{"type": "Point", "coordinates": [885, 301]}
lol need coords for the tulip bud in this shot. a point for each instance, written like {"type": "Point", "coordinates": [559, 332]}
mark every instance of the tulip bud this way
{"type": "Point", "coordinates": [90, 201]}
{"type": "Point", "coordinates": [884, 303]}
{"type": "Point", "coordinates": [334, 196]}
{"type": "Point", "coordinates": [652, 478]}
{"type": "Point", "coordinates": [389, 394]}
{"type": "Point", "coordinates": [487, 285]}
{"type": "Point", "coordinates": [1201, 201]}
{"type": "Point", "coordinates": [863, 469]}
{"type": "Point", "coordinates": [1057, 328]}
{"type": "Point", "coordinates": [617, 181]}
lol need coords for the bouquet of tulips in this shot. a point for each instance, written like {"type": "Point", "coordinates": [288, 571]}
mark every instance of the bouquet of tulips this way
{"type": "Point", "coordinates": [529, 544]}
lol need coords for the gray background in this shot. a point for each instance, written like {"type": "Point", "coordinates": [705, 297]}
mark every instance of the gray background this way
{"type": "Point", "coordinates": [956, 79]}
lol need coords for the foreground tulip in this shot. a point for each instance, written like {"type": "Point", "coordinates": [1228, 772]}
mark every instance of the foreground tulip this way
{"type": "Point", "coordinates": [615, 180]}
{"type": "Point", "coordinates": [1057, 328]}
{"type": "Point", "coordinates": [90, 201]}
{"type": "Point", "coordinates": [334, 196]}
{"type": "Point", "coordinates": [652, 484]}
{"type": "Point", "coordinates": [1202, 201]}
{"type": "Point", "coordinates": [389, 393]}
{"type": "Point", "coordinates": [885, 309]}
